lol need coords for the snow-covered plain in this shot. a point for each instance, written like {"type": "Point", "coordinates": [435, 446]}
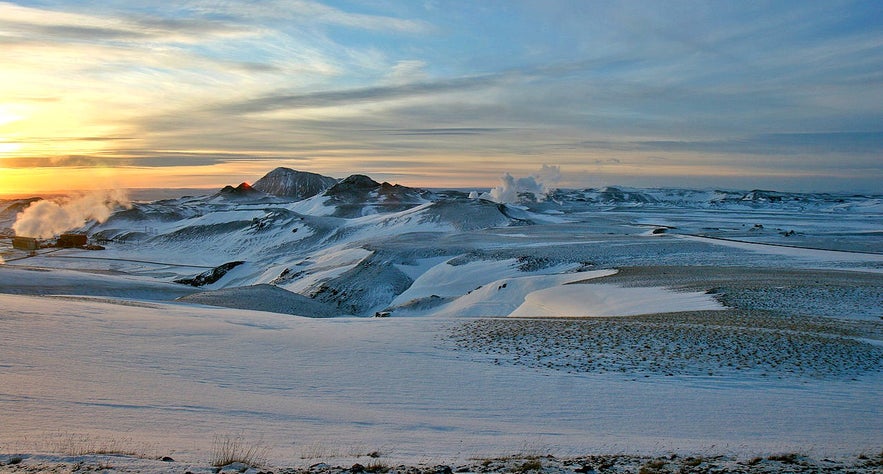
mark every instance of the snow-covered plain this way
{"type": "Point", "coordinates": [714, 329]}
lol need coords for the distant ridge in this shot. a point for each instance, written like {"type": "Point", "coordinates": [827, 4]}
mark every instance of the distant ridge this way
{"type": "Point", "coordinates": [243, 190]}
{"type": "Point", "coordinates": [359, 188]}
{"type": "Point", "coordinates": [358, 194]}
{"type": "Point", "coordinates": [292, 184]}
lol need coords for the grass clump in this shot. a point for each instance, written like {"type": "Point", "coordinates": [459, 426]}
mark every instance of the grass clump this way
{"type": "Point", "coordinates": [653, 467]}
{"type": "Point", "coordinates": [529, 465]}
{"type": "Point", "coordinates": [73, 444]}
{"type": "Point", "coordinates": [787, 458]}
{"type": "Point", "coordinates": [228, 449]}
{"type": "Point", "coordinates": [872, 461]}
{"type": "Point", "coordinates": [377, 467]}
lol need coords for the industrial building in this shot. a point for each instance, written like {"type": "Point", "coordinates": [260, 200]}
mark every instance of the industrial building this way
{"type": "Point", "coordinates": [71, 240]}
{"type": "Point", "coordinates": [25, 243]}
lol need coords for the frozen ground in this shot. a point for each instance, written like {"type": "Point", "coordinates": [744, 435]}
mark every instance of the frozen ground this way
{"type": "Point", "coordinates": [695, 324]}
{"type": "Point", "coordinates": [172, 377]}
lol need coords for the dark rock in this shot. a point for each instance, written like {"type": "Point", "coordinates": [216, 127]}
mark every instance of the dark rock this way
{"type": "Point", "coordinates": [167, 459]}
{"type": "Point", "coordinates": [210, 276]}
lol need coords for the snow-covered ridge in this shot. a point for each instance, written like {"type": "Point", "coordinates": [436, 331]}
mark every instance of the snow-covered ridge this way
{"type": "Point", "coordinates": [615, 320]}
{"type": "Point", "coordinates": [360, 247]}
{"type": "Point", "coordinates": [739, 200]}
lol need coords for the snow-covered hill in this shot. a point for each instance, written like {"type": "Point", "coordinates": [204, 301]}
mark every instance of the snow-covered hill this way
{"type": "Point", "coordinates": [621, 319]}
{"type": "Point", "coordinates": [291, 184]}
{"type": "Point", "coordinates": [359, 247]}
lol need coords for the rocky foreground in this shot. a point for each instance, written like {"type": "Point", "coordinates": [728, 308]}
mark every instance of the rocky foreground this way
{"type": "Point", "coordinates": [783, 463]}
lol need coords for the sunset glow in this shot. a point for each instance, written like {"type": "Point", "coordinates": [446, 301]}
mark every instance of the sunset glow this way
{"type": "Point", "coordinates": [200, 94]}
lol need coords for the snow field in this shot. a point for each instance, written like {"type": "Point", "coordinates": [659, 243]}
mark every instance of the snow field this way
{"type": "Point", "coordinates": [455, 280]}
{"type": "Point", "coordinates": [174, 377]}
{"type": "Point", "coordinates": [768, 375]}
{"type": "Point", "coordinates": [573, 300]}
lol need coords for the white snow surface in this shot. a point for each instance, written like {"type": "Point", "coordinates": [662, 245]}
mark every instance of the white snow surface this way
{"type": "Point", "coordinates": [173, 377]}
{"type": "Point", "coordinates": [502, 297]}
{"type": "Point", "coordinates": [807, 254]}
{"type": "Point", "coordinates": [610, 300]}
{"type": "Point", "coordinates": [91, 343]}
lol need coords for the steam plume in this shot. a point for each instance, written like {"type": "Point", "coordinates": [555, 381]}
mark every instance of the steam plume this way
{"type": "Point", "coordinates": [539, 184]}
{"type": "Point", "coordinates": [44, 219]}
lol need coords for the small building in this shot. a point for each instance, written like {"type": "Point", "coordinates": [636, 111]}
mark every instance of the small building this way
{"type": "Point", "coordinates": [25, 243]}
{"type": "Point", "coordinates": [71, 240]}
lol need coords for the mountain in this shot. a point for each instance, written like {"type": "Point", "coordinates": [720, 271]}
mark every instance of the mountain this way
{"type": "Point", "coordinates": [359, 195]}
{"type": "Point", "coordinates": [358, 246]}
{"type": "Point", "coordinates": [291, 184]}
{"type": "Point", "coordinates": [244, 190]}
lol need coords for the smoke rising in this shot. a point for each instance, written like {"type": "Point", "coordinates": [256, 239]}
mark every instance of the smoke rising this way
{"type": "Point", "coordinates": [45, 219]}
{"type": "Point", "coordinates": [539, 184]}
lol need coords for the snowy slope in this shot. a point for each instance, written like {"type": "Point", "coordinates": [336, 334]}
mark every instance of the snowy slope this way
{"type": "Point", "coordinates": [386, 230]}
{"type": "Point", "coordinates": [173, 377]}
{"type": "Point", "coordinates": [706, 321]}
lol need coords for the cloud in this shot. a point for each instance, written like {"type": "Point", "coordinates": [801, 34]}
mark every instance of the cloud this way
{"type": "Point", "coordinates": [445, 131]}
{"type": "Point", "coordinates": [340, 84]}
{"type": "Point", "coordinates": [308, 12]}
{"type": "Point", "coordinates": [59, 161]}
{"type": "Point", "coordinates": [407, 71]}
{"type": "Point", "coordinates": [333, 98]}
{"type": "Point", "coordinates": [59, 26]}
{"type": "Point", "coordinates": [762, 144]}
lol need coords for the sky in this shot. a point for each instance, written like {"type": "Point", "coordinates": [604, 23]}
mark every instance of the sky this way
{"type": "Point", "coordinates": [784, 95]}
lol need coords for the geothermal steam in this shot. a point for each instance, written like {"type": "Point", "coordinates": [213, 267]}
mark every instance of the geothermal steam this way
{"type": "Point", "coordinates": [538, 184]}
{"type": "Point", "coordinates": [45, 219]}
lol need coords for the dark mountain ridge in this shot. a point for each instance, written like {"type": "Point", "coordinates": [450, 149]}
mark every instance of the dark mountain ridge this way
{"type": "Point", "coordinates": [292, 184]}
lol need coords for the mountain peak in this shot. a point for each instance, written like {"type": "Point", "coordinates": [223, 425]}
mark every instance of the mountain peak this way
{"type": "Point", "coordinates": [359, 181]}
{"type": "Point", "coordinates": [292, 184]}
{"type": "Point", "coordinates": [358, 194]}
{"type": "Point", "coordinates": [244, 189]}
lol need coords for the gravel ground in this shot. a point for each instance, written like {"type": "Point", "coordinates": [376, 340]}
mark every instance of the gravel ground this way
{"type": "Point", "coordinates": [714, 344]}
{"type": "Point", "coordinates": [831, 293]}
{"type": "Point", "coordinates": [782, 323]}
{"type": "Point", "coordinates": [779, 463]}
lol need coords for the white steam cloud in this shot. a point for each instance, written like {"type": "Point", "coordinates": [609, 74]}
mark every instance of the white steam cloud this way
{"type": "Point", "coordinates": [539, 184]}
{"type": "Point", "coordinates": [45, 219]}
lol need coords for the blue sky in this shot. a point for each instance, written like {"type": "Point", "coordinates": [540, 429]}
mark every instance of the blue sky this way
{"type": "Point", "coordinates": [783, 95]}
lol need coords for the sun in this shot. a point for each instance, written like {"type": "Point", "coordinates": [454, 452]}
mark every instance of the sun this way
{"type": "Point", "coordinates": [9, 147]}
{"type": "Point", "coordinates": [9, 114]}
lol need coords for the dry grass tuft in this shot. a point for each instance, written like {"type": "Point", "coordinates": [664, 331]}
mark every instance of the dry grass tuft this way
{"type": "Point", "coordinates": [73, 444]}
{"type": "Point", "coordinates": [229, 449]}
